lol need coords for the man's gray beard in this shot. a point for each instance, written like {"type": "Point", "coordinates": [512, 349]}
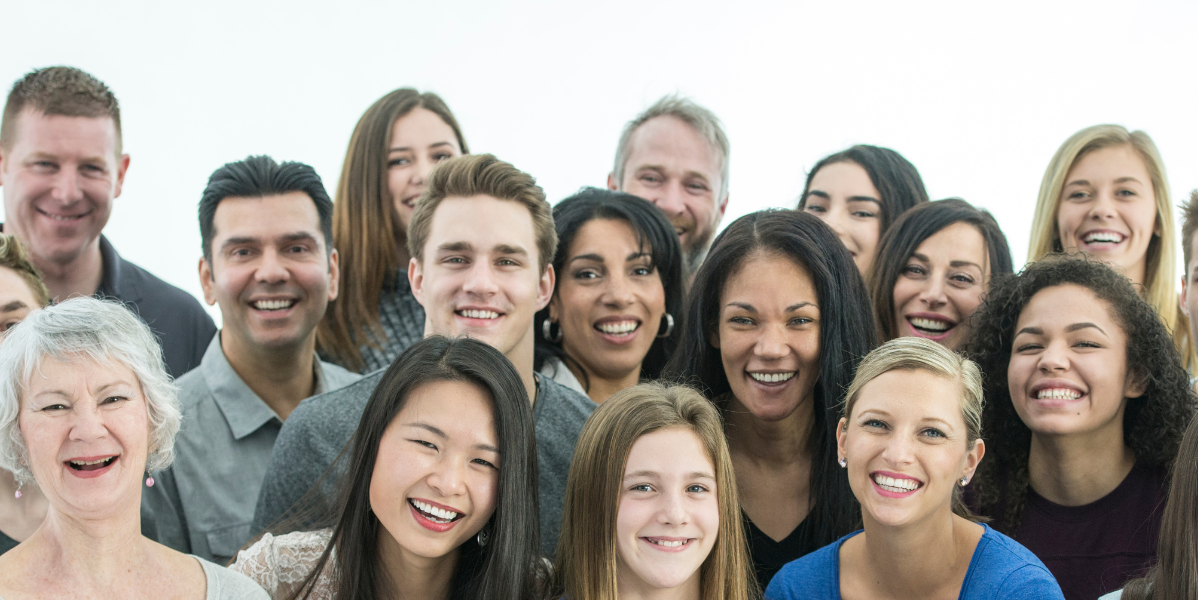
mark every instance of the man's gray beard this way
{"type": "Point", "coordinates": [693, 257]}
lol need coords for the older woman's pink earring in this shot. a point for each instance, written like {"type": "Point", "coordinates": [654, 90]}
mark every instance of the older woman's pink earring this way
{"type": "Point", "coordinates": [18, 494]}
{"type": "Point", "coordinates": [149, 480]}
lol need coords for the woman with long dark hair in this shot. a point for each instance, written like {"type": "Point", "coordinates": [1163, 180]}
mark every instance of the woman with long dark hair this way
{"type": "Point", "coordinates": [860, 192]}
{"type": "Point", "coordinates": [1086, 403]}
{"type": "Point", "coordinates": [395, 145]}
{"type": "Point", "coordinates": [618, 291]}
{"type": "Point", "coordinates": [932, 269]}
{"type": "Point", "coordinates": [777, 319]}
{"type": "Point", "coordinates": [440, 498]}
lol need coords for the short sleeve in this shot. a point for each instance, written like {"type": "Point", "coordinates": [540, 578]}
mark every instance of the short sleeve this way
{"type": "Point", "coordinates": [281, 563]}
{"type": "Point", "coordinates": [1031, 582]}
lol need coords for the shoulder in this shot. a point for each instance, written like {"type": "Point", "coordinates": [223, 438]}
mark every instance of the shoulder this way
{"type": "Point", "coordinates": [337, 377]}
{"type": "Point", "coordinates": [276, 562]}
{"type": "Point", "coordinates": [193, 389]}
{"type": "Point", "coordinates": [158, 294]}
{"type": "Point", "coordinates": [1004, 566]}
{"type": "Point", "coordinates": [814, 575]}
{"type": "Point", "coordinates": [556, 398]}
{"type": "Point", "coordinates": [334, 407]}
{"type": "Point", "coordinates": [227, 584]}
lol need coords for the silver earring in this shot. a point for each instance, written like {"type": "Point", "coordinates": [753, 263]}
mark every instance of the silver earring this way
{"type": "Point", "coordinates": [963, 481]}
{"type": "Point", "coordinates": [670, 325]}
{"type": "Point", "coordinates": [842, 462]}
{"type": "Point", "coordinates": [546, 332]}
{"type": "Point", "coordinates": [483, 537]}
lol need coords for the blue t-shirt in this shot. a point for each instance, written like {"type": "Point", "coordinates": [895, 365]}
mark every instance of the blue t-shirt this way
{"type": "Point", "coordinates": [1000, 568]}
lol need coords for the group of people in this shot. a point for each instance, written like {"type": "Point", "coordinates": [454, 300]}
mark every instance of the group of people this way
{"type": "Point", "coordinates": [437, 385]}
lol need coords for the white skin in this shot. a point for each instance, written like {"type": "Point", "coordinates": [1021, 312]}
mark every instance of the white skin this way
{"type": "Point", "coordinates": [273, 278]}
{"type": "Point", "coordinates": [941, 286]}
{"type": "Point", "coordinates": [608, 286]}
{"type": "Point", "coordinates": [419, 141]}
{"type": "Point", "coordinates": [769, 335]}
{"type": "Point", "coordinates": [1069, 382]}
{"type": "Point", "coordinates": [1107, 209]}
{"type": "Point", "coordinates": [19, 517]}
{"type": "Point", "coordinates": [670, 164]}
{"type": "Point", "coordinates": [59, 179]}
{"type": "Point", "coordinates": [91, 545]}
{"type": "Point", "coordinates": [842, 195]}
{"type": "Point", "coordinates": [906, 448]}
{"type": "Point", "coordinates": [440, 451]}
{"type": "Point", "coordinates": [480, 277]}
{"type": "Point", "coordinates": [667, 517]}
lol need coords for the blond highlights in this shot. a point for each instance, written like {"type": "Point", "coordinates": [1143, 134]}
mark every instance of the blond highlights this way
{"type": "Point", "coordinates": [14, 256]}
{"type": "Point", "coordinates": [586, 563]}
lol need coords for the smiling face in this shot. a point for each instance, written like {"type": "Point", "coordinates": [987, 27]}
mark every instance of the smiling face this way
{"type": "Point", "coordinates": [941, 286]}
{"type": "Point", "coordinates": [86, 430]}
{"type": "Point", "coordinates": [16, 300]}
{"type": "Point", "coordinates": [905, 445]}
{"type": "Point", "coordinates": [667, 514]}
{"type": "Point", "coordinates": [437, 470]}
{"type": "Point", "coordinates": [610, 299]}
{"type": "Point", "coordinates": [1068, 373]}
{"type": "Point", "coordinates": [769, 335]}
{"type": "Point", "coordinates": [59, 180]}
{"type": "Point", "coordinates": [270, 271]}
{"type": "Point", "coordinates": [1107, 209]}
{"type": "Point", "coordinates": [842, 195]}
{"type": "Point", "coordinates": [420, 140]}
{"type": "Point", "coordinates": [479, 276]}
{"type": "Point", "coordinates": [671, 165]}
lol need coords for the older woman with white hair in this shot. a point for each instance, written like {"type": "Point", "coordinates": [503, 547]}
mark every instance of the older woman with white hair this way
{"type": "Point", "coordinates": [86, 409]}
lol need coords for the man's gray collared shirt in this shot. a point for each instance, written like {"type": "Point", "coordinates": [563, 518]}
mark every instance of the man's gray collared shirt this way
{"type": "Point", "coordinates": [204, 502]}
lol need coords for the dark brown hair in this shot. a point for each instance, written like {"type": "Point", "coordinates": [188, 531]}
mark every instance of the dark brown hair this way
{"type": "Point", "coordinates": [899, 184]}
{"type": "Point", "coordinates": [59, 91]}
{"type": "Point", "coordinates": [368, 239]}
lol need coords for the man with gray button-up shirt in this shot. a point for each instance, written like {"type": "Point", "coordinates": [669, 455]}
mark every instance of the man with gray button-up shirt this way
{"type": "Point", "coordinates": [266, 231]}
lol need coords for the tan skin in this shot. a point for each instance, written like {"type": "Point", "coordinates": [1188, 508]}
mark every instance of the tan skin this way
{"type": "Point", "coordinates": [770, 326]}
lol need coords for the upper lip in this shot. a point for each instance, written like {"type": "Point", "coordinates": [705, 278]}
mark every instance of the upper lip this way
{"type": "Point", "coordinates": [1048, 384]}
{"type": "Point", "coordinates": [91, 458]}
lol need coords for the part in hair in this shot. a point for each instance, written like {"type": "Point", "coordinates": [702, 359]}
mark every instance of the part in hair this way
{"type": "Point", "coordinates": [898, 182]}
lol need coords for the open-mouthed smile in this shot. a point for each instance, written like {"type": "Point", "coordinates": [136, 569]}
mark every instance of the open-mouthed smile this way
{"type": "Point", "coordinates": [1102, 239]}
{"type": "Point", "coordinates": [931, 326]}
{"type": "Point", "coordinates": [769, 378]}
{"type": "Point", "coordinates": [88, 467]}
{"type": "Point", "coordinates": [668, 544]}
{"type": "Point", "coordinates": [894, 485]}
{"type": "Point", "coordinates": [435, 517]}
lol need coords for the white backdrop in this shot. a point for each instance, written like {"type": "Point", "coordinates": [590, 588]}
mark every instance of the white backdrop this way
{"type": "Point", "coordinates": [977, 95]}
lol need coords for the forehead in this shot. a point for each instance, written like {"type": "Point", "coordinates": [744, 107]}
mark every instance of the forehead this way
{"type": "Point", "coordinates": [13, 287]}
{"type": "Point", "coordinates": [847, 176]}
{"type": "Point", "coordinates": [458, 408]}
{"type": "Point", "coordinates": [958, 241]}
{"type": "Point", "coordinates": [51, 372]}
{"type": "Point", "coordinates": [1056, 307]}
{"type": "Point", "coordinates": [766, 276]}
{"type": "Point", "coordinates": [64, 137]}
{"type": "Point", "coordinates": [483, 222]}
{"type": "Point", "coordinates": [266, 216]}
{"type": "Point", "coordinates": [1110, 162]}
{"type": "Point", "coordinates": [600, 235]}
{"type": "Point", "coordinates": [913, 394]}
{"type": "Point", "coordinates": [668, 141]}
{"type": "Point", "coordinates": [421, 127]}
{"type": "Point", "coordinates": [674, 449]}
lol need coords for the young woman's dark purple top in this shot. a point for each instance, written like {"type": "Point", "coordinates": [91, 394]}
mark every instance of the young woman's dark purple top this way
{"type": "Point", "coordinates": [999, 569]}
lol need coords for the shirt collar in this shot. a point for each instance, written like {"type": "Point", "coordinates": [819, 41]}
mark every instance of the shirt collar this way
{"type": "Point", "coordinates": [110, 276]}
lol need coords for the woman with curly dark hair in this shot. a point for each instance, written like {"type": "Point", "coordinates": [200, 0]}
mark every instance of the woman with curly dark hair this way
{"type": "Point", "coordinates": [1086, 403]}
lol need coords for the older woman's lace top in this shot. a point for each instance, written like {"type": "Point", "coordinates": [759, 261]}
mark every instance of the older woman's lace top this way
{"type": "Point", "coordinates": [281, 563]}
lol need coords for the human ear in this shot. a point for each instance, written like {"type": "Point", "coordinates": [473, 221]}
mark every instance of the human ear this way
{"type": "Point", "coordinates": [841, 438]}
{"type": "Point", "coordinates": [206, 282]}
{"type": "Point", "coordinates": [973, 458]}
{"type": "Point", "coordinates": [416, 280]}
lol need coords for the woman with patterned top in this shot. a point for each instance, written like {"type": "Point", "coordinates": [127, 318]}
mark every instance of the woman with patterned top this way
{"type": "Point", "coordinates": [395, 145]}
{"type": "Point", "coordinates": [440, 498]}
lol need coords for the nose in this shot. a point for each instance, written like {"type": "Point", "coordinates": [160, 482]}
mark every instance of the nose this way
{"type": "Point", "coordinates": [671, 200]}
{"type": "Point", "coordinates": [66, 187]}
{"type": "Point", "coordinates": [421, 173]}
{"type": "Point", "coordinates": [88, 424]}
{"type": "Point", "coordinates": [772, 343]}
{"type": "Point", "coordinates": [673, 510]}
{"type": "Point", "coordinates": [899, 451]}
{"type": "Point", "coordinates": [271, 269]}
{"type": "Point", "coordinates": [618, 293]}
{"type": "Point", "coordinates": [448, 477]}
{"type": "Point", "coordinates": [1104, 207]}
{"type": "Point", "coordinates": [480, 280]}
{"type": "Point", "coordinates": [934, 293]}
{"type": "Point", "coordinates": [1053, 358]}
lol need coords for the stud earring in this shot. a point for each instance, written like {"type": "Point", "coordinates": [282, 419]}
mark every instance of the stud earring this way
{"type": "Point", "coordinates": [842, 462]}
{"type": "Point", "coordinates": [963, 481]}
{"type": "Point", "coordinates": [149, 480]}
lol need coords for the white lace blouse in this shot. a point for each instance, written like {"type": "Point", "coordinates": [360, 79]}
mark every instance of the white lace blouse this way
{"type": "Point", "coordinates": [280, 563]}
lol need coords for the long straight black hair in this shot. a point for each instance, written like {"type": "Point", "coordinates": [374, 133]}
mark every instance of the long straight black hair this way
{"type": "Point", "coordinates": [510, 566]}
{"type": "Point", "coordinates": [653, 232]}
{"type": "Point", "coordinates": [847, 335]}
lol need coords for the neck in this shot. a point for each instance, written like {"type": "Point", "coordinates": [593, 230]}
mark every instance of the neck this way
{"type": "Point", "coordinates": [281, 377]}
{"type": "Point", "coordinates": [79, 277]}
{"type": "Point", "coordinates": [521, 357]}
{"type": "Point", "coordinates": [781, 442]}
{"type": "Point", "coordinates": [1074, 470]}
{"type": "Point", "coordinates": [1137, 274]}
{"type": "Point", "coordinates": [630, 587]}
{"type": "Point", "coordinates": [102, 551]}
{"type": "Point", "coordinates": [418, 576]}
{"type": "Point", "coordinates": [20, 517]}
{"type": "Point", "coordinates": [918, 559]}
{"type": "Point", "coordinates": [600, 386]}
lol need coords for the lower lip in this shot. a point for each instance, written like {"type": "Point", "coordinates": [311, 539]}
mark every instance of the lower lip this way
{"type": "Point", "coordinates": [431, 525]}
{"type": "Point", "coordinates": [619, 340]}
{"type": "Point", "coordinates": [679, 548]}
{"type": "Point", "coordinates": [929, 336]}
{"type": "Point", "coordinates": [891, 494]}
{"type": "Point", "coordinates": [93, 473]}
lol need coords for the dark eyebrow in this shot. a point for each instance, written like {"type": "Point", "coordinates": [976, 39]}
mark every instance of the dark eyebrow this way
{"type": "Point", "coordinates": [1031, 330]}
{"type": "Point", "coordinates": [407, 149]}
{"type": "Point", "coordinates": [430, 429]}
{"type": "Point", "coordinates": [1127, 179]}
{"type": "Point", "coordinates": [591, 257]}
{"type": "Point", "coordinates": [817, 193]}
{"type": "Point", "coordinates": [648, 473]}
{"type": "Point", "coordinates": [1078, 182]}
{"type": "Point", "coordinates": [743, 306]}
{"type": "Point", "coordinates": [238, 241]}
{"type": "Point", "coordinates": [509, 249]}
{"type": "Point", "coordinates": [11, 306]}
{"type": "Point", "coordinates": [1085, 325]}
{"type": "Point", "coordinates": [864, 199]}
{"type": "Point", "coordinates": [299, 236]}
{"type": "Point", "coordinates": [750, 307]}
{"type": "Point", "coordinates": [965, 263]}
{"type": "Point", "coordinates": [461, 246]}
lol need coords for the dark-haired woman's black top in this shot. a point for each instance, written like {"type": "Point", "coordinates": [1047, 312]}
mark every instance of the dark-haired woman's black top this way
{"type": "Point", "coordinates": [1096, 548]}
{"type": "Point", "coordinates": [7, 543]}
{"type": "Point", "coordinates": [769, 555]}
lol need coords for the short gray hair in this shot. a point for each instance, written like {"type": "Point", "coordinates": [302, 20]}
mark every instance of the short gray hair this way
{"type": "Point", "coordinates": [701, 119]}
{"type": "Point", "coordinates": [97, 330]}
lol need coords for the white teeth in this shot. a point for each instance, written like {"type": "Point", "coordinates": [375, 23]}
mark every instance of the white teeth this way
{"type": "Point", "coordinates": [89, 462]}
{"type": "Point", "coordinates": [930, 324]}
{"type": "Point", "coordinates": [63, 218]}
{"type": "Point", "coordinates": [442, 515]}
{"type": "Point", "coordinates": [667, 544]}
{"type": "Point", "coordinates": [479, 314]}
{"type": "Point", "coordinates": [272, 304]}
{"type": "Point", "coordinates": [1058, 394]}
{"type": "Point", "coordinates": [772, 377]}
{"type": "Point", "coordinates": [619, 327]}
{"type": "Point", "coordinates": [1102, 236]}
{"type": "Point", "coordinates": [896, 485]}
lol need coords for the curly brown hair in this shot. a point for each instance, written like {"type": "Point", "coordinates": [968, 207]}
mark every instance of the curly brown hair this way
{"type": "Point", "coordinates": [1154, 422]}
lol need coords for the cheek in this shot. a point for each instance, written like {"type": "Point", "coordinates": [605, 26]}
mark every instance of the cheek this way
{"type": "Point", "coordinates": [866, 236]}
{"type": "Point", "coordinates": [966, 301]}
{"type": "Point", "coordinates": [707, 516]}
{"type": "Point", "coordinates": [1069, 218]}
{"type": "Point", "coordinates": [904, 291]}
{"type": "Point", "coordinates": [631, 517]}
{"type": "Point", "coordinates": [484, 494]}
